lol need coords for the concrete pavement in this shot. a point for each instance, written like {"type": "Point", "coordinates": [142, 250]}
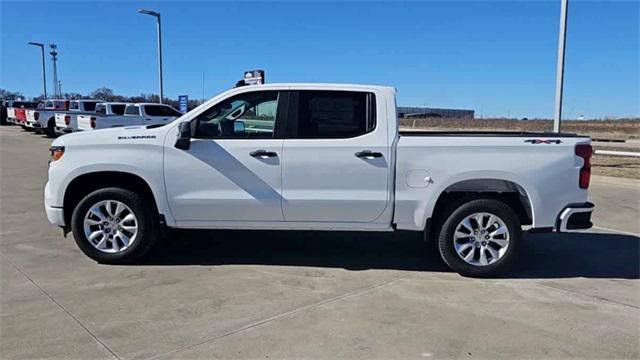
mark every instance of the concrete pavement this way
{"type": "Point", "coordinates": [244, 294]}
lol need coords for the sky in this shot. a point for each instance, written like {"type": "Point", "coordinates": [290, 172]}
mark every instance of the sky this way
{"type": "Point", "coordinates": [497, 58]}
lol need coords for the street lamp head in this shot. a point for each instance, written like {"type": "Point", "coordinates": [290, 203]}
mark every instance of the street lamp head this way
{"type": "Point", "coordinates": [149, 12]}
{"type": "Point", "coordinates": [36, 44]}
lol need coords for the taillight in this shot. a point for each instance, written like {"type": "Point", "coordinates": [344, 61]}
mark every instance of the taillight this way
{"type": "Point", "coordinates": [92, 120]}
{"type": "Point", "coordinates": [584, 151]}
{"type": "Point", "coordinates": [67, 119]}
{"type": "Point", "coordinates": [36, 115]}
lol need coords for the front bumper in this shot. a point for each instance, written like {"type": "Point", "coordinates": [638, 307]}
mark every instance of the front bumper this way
{"type": "Point", "coordinates": [575, 217]}
{"type": "Point", "coordinates": [55, 215]}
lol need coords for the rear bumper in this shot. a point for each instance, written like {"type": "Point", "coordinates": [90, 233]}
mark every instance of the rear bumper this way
{"type": "Point", "coordinates": [65, 130]}
{"type": "Point", "coordinates": [575, 217]}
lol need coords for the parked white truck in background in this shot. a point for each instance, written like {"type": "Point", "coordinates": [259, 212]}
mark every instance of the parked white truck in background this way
{"type": "Point", "coordinates": [67, 121]}
{"type": "Point", "coordinates": [43, 119]}
{"type": "Point", "coordinates": [325, 157]}
{"type": "Point", "coordinates": [104, 110]}
{"type": "Point", "coordinates": [12, 118]}
{"type": "Point", "coordinates": [134, 114]}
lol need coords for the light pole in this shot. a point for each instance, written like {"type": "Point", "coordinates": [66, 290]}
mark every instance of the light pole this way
{"type": "Point", "coordinates": [44, 73]}
{"type": "Point", "coordinates": [564, 4]}
{"type": "Point", "coordinates": [157, 16]}
{"type": "Point", "coordinates": [54, 58]}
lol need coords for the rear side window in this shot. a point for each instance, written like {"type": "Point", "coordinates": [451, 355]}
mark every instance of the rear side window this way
{"type": "Point", "coordinates": [117, 109]}
{"type": "Point", "coordinates": [101, 109]}
{"type": "Point", "coordinates": [333, 114]}
{"type": "Point", "coordinates": [90, 106]}
{"type": "Point", "coordinates": [73, 105]}
{"type": "Point", "coordinates": [160, 110]}
{"type": "Point", "coordinates": [132, 110]}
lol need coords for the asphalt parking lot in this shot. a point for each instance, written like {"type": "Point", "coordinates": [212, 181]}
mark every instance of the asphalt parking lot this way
{"type": "Point", "coordinates": [243, 294]}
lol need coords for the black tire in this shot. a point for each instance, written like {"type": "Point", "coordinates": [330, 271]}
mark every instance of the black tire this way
{"type": "Point", "coordinates": [143, 210]}
{"type": "Point", "coordinates": [50, 131]}
{"type": "Point", "coordinates": [446, 240]}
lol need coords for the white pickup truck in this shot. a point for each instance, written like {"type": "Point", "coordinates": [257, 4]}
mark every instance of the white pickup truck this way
{"type": "Point", "coordinates": [134, 114]}
{"type": "Point", "coordinates": [67, 121]}
{"type": "Point", "coordinates": [12, 118]}
{"type": "Point", "coordinates": [316, 157]}
{"type": "Point", "coordinates": [43, 119]}
{"type": "Point", "coordinates": [105, 110]}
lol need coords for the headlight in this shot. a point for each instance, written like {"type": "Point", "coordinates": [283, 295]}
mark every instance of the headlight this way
{"type": "Point", "coordinates": [56, 152]}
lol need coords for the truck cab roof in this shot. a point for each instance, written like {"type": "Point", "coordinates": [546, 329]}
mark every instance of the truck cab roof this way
{"type": "Point", "coordinates": [321, 86]}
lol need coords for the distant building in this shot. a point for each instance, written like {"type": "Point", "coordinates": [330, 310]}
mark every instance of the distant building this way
{"type": "Point", "coordinates": [423, 112]}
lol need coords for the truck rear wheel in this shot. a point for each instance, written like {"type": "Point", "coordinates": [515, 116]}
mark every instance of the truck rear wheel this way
{"type": "Point", "coordinates": [50, 131]}
{"type": "Point", "coordinates": [480, 238]}
{"type": "Point", "coordinates": [114, 225]}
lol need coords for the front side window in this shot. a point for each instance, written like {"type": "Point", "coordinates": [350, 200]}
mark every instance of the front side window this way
{"type": "Point", "coordinates": [73, 105]}
{"type": "Point", "coordinates": [161, 110]}
{"type": "Point", "coordinates": [101, 109]}
{"type": "Point", "coordinates": [247, 115]}
{"type": "Point", "coordinates": [132, 110]}
{"type": "Point", "coordinates": [333, 114]}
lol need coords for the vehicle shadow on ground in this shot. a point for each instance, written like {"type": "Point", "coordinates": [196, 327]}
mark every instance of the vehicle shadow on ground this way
{"type": "Point", "coordinates": [553, 255]}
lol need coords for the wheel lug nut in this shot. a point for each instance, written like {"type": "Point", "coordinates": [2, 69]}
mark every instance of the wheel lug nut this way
{"type": "Point", "coordinates": [484, 243]}
{"type": "Point", "coordinates": [487, 237]}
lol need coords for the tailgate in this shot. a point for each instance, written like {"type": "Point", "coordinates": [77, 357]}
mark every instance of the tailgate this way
{"type": "Point", "coordinates": [84, 122]}
{"type": "Point", "coordinates": [60, 120]}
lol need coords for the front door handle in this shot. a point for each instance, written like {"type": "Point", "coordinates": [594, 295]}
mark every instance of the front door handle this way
{"type": "Point", "coordinates": [263, 154]}
{"type": "Point", "coordinates": [368, 154]}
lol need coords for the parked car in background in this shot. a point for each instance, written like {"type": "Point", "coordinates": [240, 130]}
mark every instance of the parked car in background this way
{"type": "Point", "coordinates": [104, 111]}
{"type": "Point", "coordinates": [134, 114]}
{"type": "Point", "coordinates": [43, 120]}
{"type": "Point", "coordinates": [21, 118]}
{"type": "Point", "coordinates": [316, 157]}
{"type": "Point", "coordinates": [67, 121]}
{"type": "Point", "coordinates": [13, 105]}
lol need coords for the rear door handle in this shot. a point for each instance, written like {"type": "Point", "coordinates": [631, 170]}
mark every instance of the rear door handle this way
{"type": "Point", "coordinates": [263, 154]}
{"type": "Point", "coordinates": [368, 154]}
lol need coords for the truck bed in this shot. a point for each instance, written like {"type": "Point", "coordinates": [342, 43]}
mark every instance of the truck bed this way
{"type": "Point", "coordinates": [473, 133]}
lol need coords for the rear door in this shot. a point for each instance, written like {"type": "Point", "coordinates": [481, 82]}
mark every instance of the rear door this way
{"type": "Point", "coordinates": [132, 116]}
{"type": "Point", "coordinates": [335, 158]}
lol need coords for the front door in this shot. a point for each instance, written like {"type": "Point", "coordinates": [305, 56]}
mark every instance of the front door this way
{"type": "Point", "coordinates": [232, 171]}
{"type": "Point", "coordinates": [335, 158]}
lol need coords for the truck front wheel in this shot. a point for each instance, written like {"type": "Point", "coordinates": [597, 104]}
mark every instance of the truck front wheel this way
{"type": "Point", "coordinates": [480, 238]}
{"type": "Point", "coordinates": [114, 225]}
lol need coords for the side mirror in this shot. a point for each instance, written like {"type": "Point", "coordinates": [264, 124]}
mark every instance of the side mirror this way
{"type": "Point", "coordinates": [184, 136]}
{"type": "Point", "coordinates": [238, 127]}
